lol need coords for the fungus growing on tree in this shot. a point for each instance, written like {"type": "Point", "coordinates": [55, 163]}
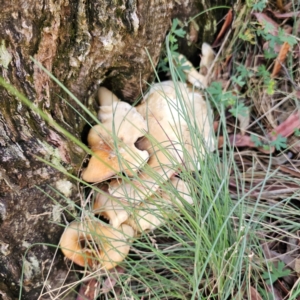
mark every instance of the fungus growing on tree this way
{"type": "Point", "coordinates": [113, 141]}
{"type": "Point", "coordinates": [169, 131]}
{"type": "Point", "coordinates": [180, 134]}
{"type": "Point", "coordinates": [94, 244]}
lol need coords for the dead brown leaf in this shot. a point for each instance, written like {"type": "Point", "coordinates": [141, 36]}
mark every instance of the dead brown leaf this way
{"type": "Point", "coordinates": [88, 290]}
{"type": "Point", "coordinates": [280, 59]}
{"type": "Point", "coordinates": [254, 295]}
{"type": "Point", "coordinates": [289, 126]}
{"type": "Point", "coordinates": [111, 280]}
{"type": "Point", "coordinates": [244, 121]}
{"type": "Point", "coordinates": [224, 29]}
{"type": "Point", "coordinates": [280, 5]}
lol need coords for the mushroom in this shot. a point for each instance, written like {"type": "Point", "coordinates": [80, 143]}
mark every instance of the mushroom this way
{"type": "Point", "coordinates": [172, 142]}
{"type": "Point", "coordinates": [113, 141]}
{"type": "Point", "coordinates": [111, 208]}
{"type": "Point", "coordinates": [207, 57]}
{"type": "Point", "coordinates": [154, 211]}
{"type": "Point", "coordinates": [109, 246]}
{"type": "Point", "coordinates": [106, 97]}
{"type": "Point", "coordinates": [193, 76]}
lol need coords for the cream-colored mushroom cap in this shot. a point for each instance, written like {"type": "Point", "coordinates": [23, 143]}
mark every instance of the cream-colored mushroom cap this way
{"type": "Point", "coordinates": [208, 55]}
{"type": "Point", "coordinates": [171, 140]}
{"type": "Point", "coordinates": [108, 246]}
{"type": "Point", "coordinates": [106, 97]}
{"type": "Point", "coordinates": [113, 143]}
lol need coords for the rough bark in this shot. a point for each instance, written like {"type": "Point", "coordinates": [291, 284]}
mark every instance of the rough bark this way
{"type": "Point", "coordinates": [84, 43]}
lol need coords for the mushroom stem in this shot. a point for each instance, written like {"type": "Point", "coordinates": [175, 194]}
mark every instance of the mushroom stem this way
{"type": "Point", "coordinates": [193, 76]}
{"type": "Point", "coordinates": [109, 245]}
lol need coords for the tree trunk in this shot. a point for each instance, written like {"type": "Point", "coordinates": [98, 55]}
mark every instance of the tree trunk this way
{"type": "Point", "coordinates": [84, 43]}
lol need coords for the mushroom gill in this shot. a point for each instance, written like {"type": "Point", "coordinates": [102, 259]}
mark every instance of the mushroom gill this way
{"type": "Point", "coordinates": [108, 246]}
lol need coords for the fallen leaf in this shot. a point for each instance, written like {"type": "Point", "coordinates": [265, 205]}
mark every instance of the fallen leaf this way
{"type": "Point", "coordinates": [111, 280]}
{"type": "Point", "coordinates": [193, 32]}
{"type": "Point", "coordinates": [285, 15]}
{"type": "Point", "coordinates": [297, 265]}
{"type": "Point", "coordinates": [280, 5]}
{"type": "Point", "coordinates": [289, 126]}
{"type": "Point", "coordinates": [227, 23]}
{"type": "Point", "coordinates": [220, 142]}
{"type": "Point", "coordinates": [280, 59]}
{"type": "Point", "coordinates": [254, 295]}
{"type": "Point", "coordinates": [88, 290]}
{"type": "Point", "coordinates": [264, 20]}
{"type": "Point", "coordinates": [239, 140]}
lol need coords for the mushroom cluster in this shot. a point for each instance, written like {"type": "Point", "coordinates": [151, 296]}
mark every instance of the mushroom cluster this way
{"type": "Point", "coordinates": [137, 154]}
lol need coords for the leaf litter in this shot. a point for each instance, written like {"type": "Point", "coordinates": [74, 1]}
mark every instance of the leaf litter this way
{"type": "Point", "coordinates": [263, 73]}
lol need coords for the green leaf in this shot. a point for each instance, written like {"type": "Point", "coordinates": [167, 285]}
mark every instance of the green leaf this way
{"type": "Point", "coordinates": [297, 132]}
{"type": "Point", "coordinates": [215, 88]}
{"type": "Point", "coordinates": [238, 80]}
{"type": "Point", "coordinates": [174, 24]}
{"type": "Point", "coordinates": [256, 140]}
{"type": "Point", "coordinates": [260, 5]}
{"type": "Point", "coordinates": [239, 110]}
{"type": "Point", "coordinates": [172, 39]}
{"type": "Point", "coordinates": [271, 87]}
{"type": "Point", "coordinates": [180, 32]}
{"type": "Point", "coordinates": [279, 143]}
{"type": "Point", "coordinates": [284, 37]}
{"type": "Point", "coordinates": [244, 72]}
{"type": "Point", "coordinates": [173, 48]}
{"type": "Point", "coordinates": [269, 53]}
{"type": "Point", "coordinates": [276, 272]}
{"type": "Point", "coordinates": [262, 71]}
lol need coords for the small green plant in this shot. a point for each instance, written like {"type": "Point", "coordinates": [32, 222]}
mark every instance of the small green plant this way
{"type": "Point", "coordinates": [172, 39]}
{"type": "Point", "coordinates": [268, 82]}
{"type": "Point", "coordinates": [279, 143]}
{"type": "Point", "coordinates": [257, 5]}
{"type": "Point", "coordinates": [239, 110]}
{"type": "Point", "coordinates": [276, 272]}
{"type": "Point", "coordinates": [297, 132]}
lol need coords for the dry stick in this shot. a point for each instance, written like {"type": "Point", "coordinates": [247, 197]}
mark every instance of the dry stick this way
{"type": "Point", "coordinates": [270, 110]}
{"type": "Point", "coordinates": [218, 54]}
